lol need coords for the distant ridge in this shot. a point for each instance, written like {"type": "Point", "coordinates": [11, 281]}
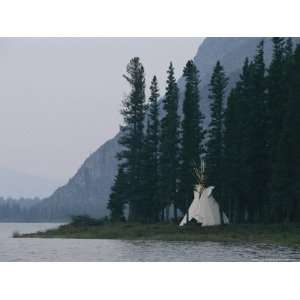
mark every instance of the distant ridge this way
{"type": "Point", "coordinates": [16, 185]}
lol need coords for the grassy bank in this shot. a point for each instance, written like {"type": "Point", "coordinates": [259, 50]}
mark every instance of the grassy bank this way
{"type": "Point", "coordinates": [281, 234]}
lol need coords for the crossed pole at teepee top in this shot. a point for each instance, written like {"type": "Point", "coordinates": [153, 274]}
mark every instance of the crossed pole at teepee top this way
{"type": "Point", "coordinates": [199, 173]}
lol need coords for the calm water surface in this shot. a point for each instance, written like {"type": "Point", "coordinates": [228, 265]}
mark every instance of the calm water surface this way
{"type": "Point", "coordinates": [118, 250]}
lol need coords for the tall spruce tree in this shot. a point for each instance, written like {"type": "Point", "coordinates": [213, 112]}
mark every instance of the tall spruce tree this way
{"type": "Point", "coordinates": [132, 136]}
{"type": "Point", "coordinates": [151, 206]}
{"type": "Point", "coordinates": [232, 201]}
{"type": "Point", "coordinates": [118, 196]}
{"type": "Point", "coordinates": [277, 101]}
{"type": "Point", "coordinates": [289, 52]}
{"type": "Point", "coordinates": [192, 135]}
{"type": "Point", "coordinates": [168, 151]}
{"type": "Point", "coordinates": [254, 145]}
{"type": "Point", "coordinates": [286, 173]}
{"type": "Point", "coordinates": [236, 152]}
{"type": "Point", "coordinates": [215, 144]}
{"type": "Point", "coordinates": [258, 138]}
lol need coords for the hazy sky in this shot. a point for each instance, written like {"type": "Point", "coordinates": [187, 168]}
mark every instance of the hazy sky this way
{"type": "Point", "coordinates": [60, 97]}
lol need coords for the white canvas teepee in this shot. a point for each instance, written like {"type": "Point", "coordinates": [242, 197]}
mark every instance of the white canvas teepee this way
{"type": "Point", "coordinates": [204, 208]}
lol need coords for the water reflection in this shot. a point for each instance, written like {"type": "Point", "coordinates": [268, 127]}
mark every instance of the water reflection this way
{"type": "Point", "coordinates": [121, 250]}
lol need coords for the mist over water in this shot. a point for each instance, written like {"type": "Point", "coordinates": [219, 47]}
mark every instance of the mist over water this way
{"type": "Point", "coordinates": [120, 250]}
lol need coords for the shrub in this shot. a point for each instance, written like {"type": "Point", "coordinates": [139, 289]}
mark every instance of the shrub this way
{"type": "Point", "coordinates": [16, 234]}
{"type": "Point", "coordinates": [85, 220]}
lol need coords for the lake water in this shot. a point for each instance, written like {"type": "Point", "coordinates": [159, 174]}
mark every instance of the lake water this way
{"type": "Point", "coordinates": [120, 250]}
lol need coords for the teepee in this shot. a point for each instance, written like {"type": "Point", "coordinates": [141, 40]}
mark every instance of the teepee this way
{"type": "Point", "coordinates": [204, 209]}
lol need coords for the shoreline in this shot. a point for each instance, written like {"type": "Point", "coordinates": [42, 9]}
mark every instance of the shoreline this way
{"type": "Point", "coordinates": [277, 234]}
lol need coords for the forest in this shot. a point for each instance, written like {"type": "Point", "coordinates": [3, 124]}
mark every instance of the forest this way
{"type": "Point", "coordinates": [18, 210]}
{"type": "Point", "coordinates": [251, 147]}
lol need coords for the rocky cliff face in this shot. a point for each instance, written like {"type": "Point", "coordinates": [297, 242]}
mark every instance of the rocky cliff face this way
{"type": "Point", "coordinates": [87, 192]}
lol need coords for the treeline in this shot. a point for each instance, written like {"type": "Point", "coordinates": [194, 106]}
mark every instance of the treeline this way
{"type": "Point", "coordinates": [261, 156]}
{"type": "Point", "coordinates": [17, 209]}
{"type": "Point", "coordinates": [158, 155]}
{"type": "Point", "coordinates": [251, 147]}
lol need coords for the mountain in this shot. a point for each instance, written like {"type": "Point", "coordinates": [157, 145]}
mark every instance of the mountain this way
{"type": "Point", "coordinates": [16, 185]}
{"type": "Point", "coordinates": [87, 192]}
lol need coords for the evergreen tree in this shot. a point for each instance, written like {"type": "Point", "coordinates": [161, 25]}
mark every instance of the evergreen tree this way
{"type": "Point", "coordinates": [276, 97]}
{"type": "Point", "coordinates": [286, 174]}
{"type": "Point", "coordinates": [252, 146]}
{"type": "Point", "coordinates": [236, 152]}
{"type": "Point", "coordinates": [257, 130]}
{"type": "Point", "coordinates": [288, 51]}
{"type": "Point", "coordinates": [150, 158]}
{"type": "Point", "coordinates": [232, 202]}
{"type": "Point", "coordinates": [169, 143]}
{"type": "Point", "coordinates": [118, 196]}
{"type": "Point", "coordinates": [250, 150]}
{"type": "Point", "coordinates": [215, 144]}
{"type": "Point", "coordinates": [192, 135]}
{"type": "Point", "coordinates": [278, 89]}
{"type": "Point", "coordinates": [253, 142]}
{"type": "Point", "coordinates": [132, 136]}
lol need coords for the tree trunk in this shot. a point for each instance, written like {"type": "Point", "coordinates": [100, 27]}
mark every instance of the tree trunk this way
{"type": "Point", "coordinates": [163, 215]}
{"type": "Point", "coordinates": [187, 211]}
{"type": "Point", "coordinates": [221, 215]}
{"type": "Point", "coordinates": [168, 213]}
{"type": "Point", "coordinates": [175, 214]}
